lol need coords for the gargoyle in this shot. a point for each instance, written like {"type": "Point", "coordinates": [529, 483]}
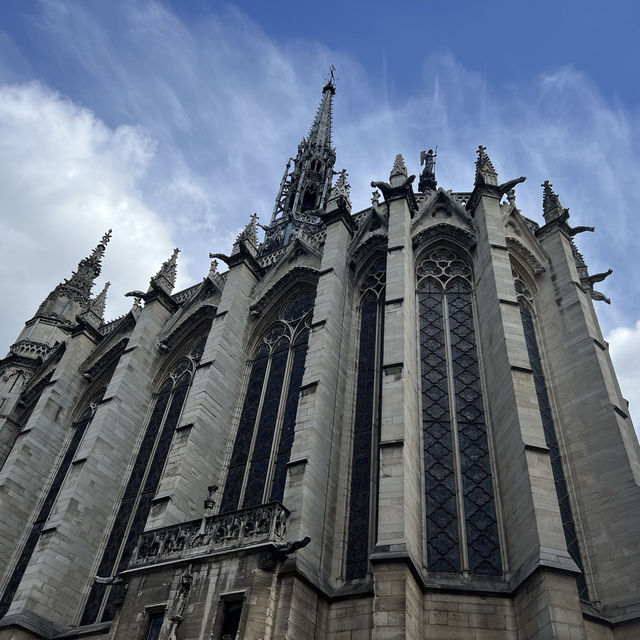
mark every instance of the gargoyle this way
{"type": "Point", "coordinates": [597, 277]}
{"type": "Point", "coordinates": [505, 187]}
{"type": "Point", "coordinates": [388, 191]}
{"type": "Point", "coordinates": [596, 295]}
{"type": "Point", "coordinates": [220, 256]}
{"type": "Point", "coordinates": [287, 548]}
{"type": "Point", "coordinates": [574, 231]}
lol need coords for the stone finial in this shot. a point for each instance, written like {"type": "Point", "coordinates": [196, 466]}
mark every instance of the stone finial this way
{"type": "Point", "coordinates": [485, 172]}
{"type": "Point", "coordinates": [399, 168]}
{"type": "Point", "coordinates": [79, 285]}
{"type": "Point", "coordinates": [213, 269]}
{"type": "Point", "coordinates": [552, 209]}
{"type": "Point", "coordinates": [165, 279]}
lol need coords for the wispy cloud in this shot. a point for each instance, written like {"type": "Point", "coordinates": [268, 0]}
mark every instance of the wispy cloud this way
{"type": "Point", "coordinates": [191, 125]}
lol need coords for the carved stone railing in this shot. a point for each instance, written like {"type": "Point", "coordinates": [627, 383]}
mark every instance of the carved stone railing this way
{"type": "Point", "coordinates": [225, 531]}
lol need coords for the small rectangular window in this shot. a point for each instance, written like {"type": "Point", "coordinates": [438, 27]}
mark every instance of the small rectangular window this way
{"type": "Point", "coordinates": [232, 610]}
{"type": "Point", "coordinates": [155, 624]}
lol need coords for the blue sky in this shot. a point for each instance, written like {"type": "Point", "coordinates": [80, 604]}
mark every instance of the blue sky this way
{"type": "Point", "coordinates": [171, 122]}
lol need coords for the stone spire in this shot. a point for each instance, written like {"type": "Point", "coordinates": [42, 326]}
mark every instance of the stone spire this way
{"type": "Point", "coordinates": [428, 180]}
{"type": "Point", "coordinates": [485, 173]}
{"type": "Point", "coordinates": [320, 132]}
{"type": "Point", "coordinates": [551, 207]}
{"type": "Point", "coordinates": [165, 279]}
{"type": "Point", "coordinates": [89, 268]}
{"type": "Point", "coordinates": [77, 288]}
{"type": "Point", "coordinates": [306, 183]}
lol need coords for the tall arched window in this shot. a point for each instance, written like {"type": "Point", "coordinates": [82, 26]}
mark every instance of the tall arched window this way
{"type": "Point", "coordinates": [525, 299]}
{"type": "Point", "coordinates": [258, 465]}
{"type": "Point", "coordinates": [79, 428]}
{"type": "Point", "coordinates": [142, 485]}
{"type": "Point", "coordinates": [366, 422]}
{"type": "Point", "coordinates": [462, 532]}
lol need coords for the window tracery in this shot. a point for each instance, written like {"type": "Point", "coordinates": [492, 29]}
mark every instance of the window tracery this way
{"type": "Point", "coordinates": [525, 300]}
{"type": "Point", "coordinates": [462, 531]}
{"type": "Point", "coordinates": [79, 429]}
{"type": "Point", "coordinates": [258, 463]}
{"type": "Point", "coordinates": [142, 484]}
{"type": "Point", "coordinates": [366, 420]}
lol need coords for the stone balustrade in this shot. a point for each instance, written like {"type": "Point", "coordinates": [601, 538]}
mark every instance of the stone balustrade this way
{"type": "Point", "coordinates": [221, 532]}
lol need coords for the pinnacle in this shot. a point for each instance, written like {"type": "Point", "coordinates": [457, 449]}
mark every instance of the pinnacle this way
{"type": "Point", "coordinates": [399, 168]}
{"type": "Point", "coordinates": [341, 187]}
{"type": "Point", "coordinates": [97, 305]}
{"type": "Point", "coordinates": [166, 276]}
{"type": "Point", "coordinates": [484, 166]}
{"type": "Point", "coordinates": [551, 206]}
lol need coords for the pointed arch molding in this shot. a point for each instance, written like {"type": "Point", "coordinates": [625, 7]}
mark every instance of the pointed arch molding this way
{"type": "Point", "coordinates": [103, 363]}
{"type": "Point", "coordinates": [293, 277]}
{"type": "Point", "coordinates": [374, 241]}
{"type": "Point", "coordinates": [525, 256]}
{"type": "Point", "coordinates": [446, 234]}
{"type": "Point", "coordinates": [202, 315]}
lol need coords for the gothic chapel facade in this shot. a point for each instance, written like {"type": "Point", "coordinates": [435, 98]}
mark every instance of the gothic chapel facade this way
{"type": "Point", "coordinates": [396, 423]}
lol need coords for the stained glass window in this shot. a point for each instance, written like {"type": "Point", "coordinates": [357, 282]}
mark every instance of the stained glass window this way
{"type": "Point", "coordinates": [142, 485]}
{"type": "Point", "coordinates": [461, 524]}
{"type": "Point", "coordinates": [548, 425]}
{"type": "Point", "coordinates": [79, 429]}
{"type": "Point", "coordinates": [366, 420]}
{"type": "Point", "coordinates": [258, 465]}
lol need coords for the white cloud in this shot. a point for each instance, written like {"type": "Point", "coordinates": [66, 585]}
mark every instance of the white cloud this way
{"type": "Point", "coordinates": [65, 178]}
{"type": "Point", "coordinates": [624, 347]}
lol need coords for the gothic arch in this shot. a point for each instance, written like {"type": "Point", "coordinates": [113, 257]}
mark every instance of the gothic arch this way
{"type": "Point", "coordinates": [460, 511]}
{"type": "Point", "coordinates": [257, 464]}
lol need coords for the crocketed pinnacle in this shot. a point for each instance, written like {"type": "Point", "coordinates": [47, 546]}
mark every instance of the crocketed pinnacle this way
{"type": "Point", "coordinates": [250, 233]}
{"type": "Point", "coordinates": [551, 206]}
{"type": "Point", "coordinates": [97, 305]}
{"type": "Point", "coordinates": [341, 187]}
{"type": "Point", "coordinates": [165, 279]}
{"type": "Point", "coordinates": [399, 168]}
{"type": "Point", "coordinates": [485, 172]}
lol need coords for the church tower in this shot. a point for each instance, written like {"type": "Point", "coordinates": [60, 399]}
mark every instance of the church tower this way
{"type": "Point", "coordinates": [401, 422]}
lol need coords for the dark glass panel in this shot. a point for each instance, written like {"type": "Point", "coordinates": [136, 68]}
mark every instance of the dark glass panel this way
{"type": "Point", "coordinates": [360, 500]}
{"type": "Point", "coordinates": [443, 545]}
{"type": "Point", "coordinates": [166, 436]}
{"type": "Point", "coordinates": [148, 442]}
{"type": "Point", "coordinates": [298, 307]}
{"type": "Point", "coordinates": [197, 348]}
{"type": "Point", "coordinates": [483, 544]}
{"type": "Point", "coordinates": [264, 437]}
{"type": "Point", "coordinates": [233, 485]}
{"type": "Point", "coordinates": [289, 419]}
{"type": "Point", "coordinates": [155, 625]}
{"type": "Point", "coordinates": [231, 620]}
{"type": "Point", "coordinates": [548, 425]}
